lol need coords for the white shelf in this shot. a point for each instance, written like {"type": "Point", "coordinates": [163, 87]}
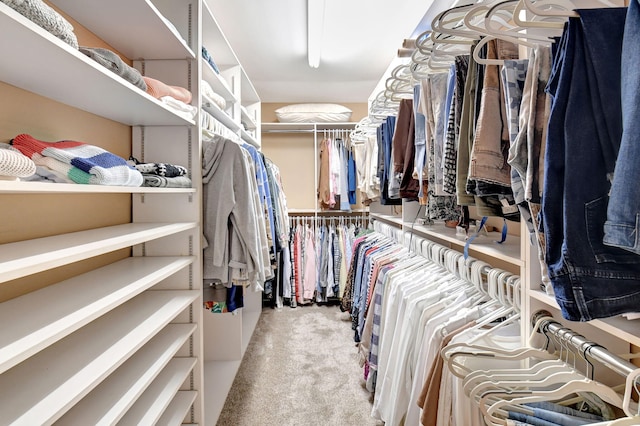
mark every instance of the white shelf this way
{"type": "Point", "coordinates": [31, 256]}
{"type": "Point", "coordinates": [222, 117]}
{"type": "Point", "coordinates": [215, 41]}
{"type": "Point", "coordinates": [251, 124]}
{"type": "Point", "coordinates": [249, 93]}
{"type": "Point", "coordinates": [42, 388]}
{"type": "Point", "coordinates": [158, 396]}
{"type": "Point", "coordinates": [80, 82]}
{"type": "Point", "coordinates": [79, 300]}
{"type": "Point", "coordinates": [508, 251]}
{"type": "Point", "coordinates": [275, 127]}
{"type": "Point", "coordinates": [14, 187]}
{"type": "Point", "coordinates": [248, 138]}
{"type": "Point", "coordinates": [178, 409]}
{"type": "Point", "coordinates": [217, 82]}
{"type": "Point", "coordinates": [620, 327]}
{"type": "Point", "coordinates": [134, 28]}
{"type": "Point", "coordinates": [392, 220]}
{"type": "Point", "coordinates": [110, 400]}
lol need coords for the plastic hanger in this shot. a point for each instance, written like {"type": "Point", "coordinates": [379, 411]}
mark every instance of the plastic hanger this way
{"type": "Point", "coordinates": [537, 371]}
{"type": "Point", "coordinates": [524, 381]}
{"type": "Point", "coordinates": [454, 15]}
{"type": "Point", "coordinates": [451, 352]}
{"type": "Point", "coordinates": [549, 22]}
{"type": "Point", "coordinates": [631, 384]}
{"type": "Point", "coordinates": [525, 396]}
{"type": "Point", "coordinates": [509, 28]}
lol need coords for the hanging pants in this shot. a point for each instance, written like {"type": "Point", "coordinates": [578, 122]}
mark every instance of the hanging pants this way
{"type": "Point", "coordinates": [590, 280]}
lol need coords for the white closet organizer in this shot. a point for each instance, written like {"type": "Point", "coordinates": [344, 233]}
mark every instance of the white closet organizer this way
{"type": "Point", "coordinates": [516, 255]}
{"type": "Point", "coordinates": [119, 337]}
{"type": "Point", "coordinates": [232, 83]}
{"type": "Point", "coordinates": [310, 182]}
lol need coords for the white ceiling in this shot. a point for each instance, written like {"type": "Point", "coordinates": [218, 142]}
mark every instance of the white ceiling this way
{"type": "Point", "coordinates": [361, 38]}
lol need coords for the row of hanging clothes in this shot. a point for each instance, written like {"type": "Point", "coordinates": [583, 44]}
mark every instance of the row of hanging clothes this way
{"type": "Point", "coordinates": [316, 258]}
{"type": "Point", "coordinates": [337, 180]}
{"type": "Point", "coordinates": [439, 339]}
{"type": "Point", "coordinates": [244, 205]}
{"type": "Point", "coordinates": [516, 107]}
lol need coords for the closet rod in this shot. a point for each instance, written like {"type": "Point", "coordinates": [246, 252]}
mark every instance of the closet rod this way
{"type": "Point", "coordinates": [587, 347]}
{"type": "Point", "coordinates": [288, 131]}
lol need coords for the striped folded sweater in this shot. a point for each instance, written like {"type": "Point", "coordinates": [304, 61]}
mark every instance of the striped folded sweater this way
{"type": "Point", "coordinates": [81, 162]}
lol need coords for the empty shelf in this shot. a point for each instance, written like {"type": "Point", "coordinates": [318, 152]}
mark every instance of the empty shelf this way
{"type": "Point", "coordinates": [42, 388]}
{"type": "Point", "coordinates": [110, 400]}
{"type": "Point", "coordinates": [154, 401]}
{"type": "Point", "coordinates": [178, 409]}
{"type": "Point", "coordinates": [79, 300]}
{"type": "Point", "coordinates": [29, 257]}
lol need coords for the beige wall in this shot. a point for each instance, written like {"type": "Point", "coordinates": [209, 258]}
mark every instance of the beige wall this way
{"type": "Point", "coordinates": [293, 153]}
{"type": "Point", "coordinates": [27, 216]}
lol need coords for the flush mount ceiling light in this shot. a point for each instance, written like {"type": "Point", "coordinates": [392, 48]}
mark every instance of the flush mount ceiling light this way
{"type": "Point", "coordinates": [315, 27]}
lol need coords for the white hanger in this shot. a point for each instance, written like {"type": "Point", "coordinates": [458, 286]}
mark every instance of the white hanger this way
{"type": "Point", "coordinates": [523, 381]}
{"type": "Point", "coordinates": [509, 28]}
{"type": "Point", "coordinates": [521, 397]}
{"type": "Point", "coordinates": [451, 352]}
{"type": "Point", "coordinates": [538, 21]}
{"type": "Point", "coordinates": [631, 384]}
{"type": "Point", "coordinates": [454, 16]}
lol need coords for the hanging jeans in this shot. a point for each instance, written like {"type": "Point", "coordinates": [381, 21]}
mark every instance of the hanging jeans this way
{"type": "Point", "coordinates": [623, 215]}
{"type": "Point", "coordinates": [590, 280]}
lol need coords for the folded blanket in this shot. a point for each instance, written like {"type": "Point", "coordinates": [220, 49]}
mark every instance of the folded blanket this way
{"type": "Point", "coordinates": [161, 169]}
{"type": "Point", "coordinates": [210, 96]}
{"type": "Point", "coordinates": [15, 164]}
{"type": "Point", "coordinates": [114, 63]}
{"type": "Point", "coordinates": [81, 162]}
{"type": "Point", "coordinates": [44, 16]}
{"type": "Point", "coordinates": [158, 89]}
{"type": "Point", "coordinates": [180, 108]}
{"type": "Point", "coordinates": [166, 182]}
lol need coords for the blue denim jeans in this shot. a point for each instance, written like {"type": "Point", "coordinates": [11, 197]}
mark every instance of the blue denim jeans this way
{"type": "Point", "coordinates": [623, 215]}
{"type": "Point", "coordinates": [590, 280]}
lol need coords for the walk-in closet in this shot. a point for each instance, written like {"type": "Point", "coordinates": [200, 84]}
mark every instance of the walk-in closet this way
{"type": "Point", "coordinates": [234, 213]}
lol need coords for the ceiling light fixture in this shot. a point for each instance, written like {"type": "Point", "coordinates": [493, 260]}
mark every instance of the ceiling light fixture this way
{"type": "Point", "coordinates": [315, 27]}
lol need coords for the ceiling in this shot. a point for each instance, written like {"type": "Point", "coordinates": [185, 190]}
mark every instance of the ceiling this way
{"type": "Point", "coordinates": [361, 39]}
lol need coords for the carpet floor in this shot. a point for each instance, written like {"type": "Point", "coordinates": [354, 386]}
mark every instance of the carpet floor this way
{"type": "Point", "coordinates": [300, 368]}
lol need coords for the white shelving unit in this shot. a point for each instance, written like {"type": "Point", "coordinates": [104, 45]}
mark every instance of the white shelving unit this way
{"type": "Point", "coordinates": [232, 83]}
{"type": "Point", "coordinates": [516, 255]}
{"type": "Point", "coordinates": [120, 336]}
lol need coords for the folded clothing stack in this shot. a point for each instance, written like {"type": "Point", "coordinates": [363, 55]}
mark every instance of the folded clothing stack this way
{"type": "Point", "coordinates": [80, 162]}
{"type": "Point", "coordinates": [163, 175]}
{"type": "Point", "coordinates": [209, 95]}
{"type": "Point", "coordinates": [14, 164]}
{"type": "Point", "coordinates": [159, 89]}
{"type": "Point", "coordinates": [115, 64]}
{"type": "Point", "coordinates": [45, 17]}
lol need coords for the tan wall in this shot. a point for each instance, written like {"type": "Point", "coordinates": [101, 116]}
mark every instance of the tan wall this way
{"type": "Point", "coordinates": [39, 215]}
{"type": "Point", "coordinates": [293, 153]}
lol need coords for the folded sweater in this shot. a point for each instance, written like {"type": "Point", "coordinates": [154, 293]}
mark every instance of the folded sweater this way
{"type": "Point", "coordinates": [81, 162]}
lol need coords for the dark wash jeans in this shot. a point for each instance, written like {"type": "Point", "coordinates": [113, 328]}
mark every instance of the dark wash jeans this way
{"type": "Point", "coordinates": [590, 280]}
{"type": "Point", "coordinates": [623, 215]}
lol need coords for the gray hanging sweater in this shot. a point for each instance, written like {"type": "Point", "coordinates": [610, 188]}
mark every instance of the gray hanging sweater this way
{"type": "Point", "coordinates": [232, 245]}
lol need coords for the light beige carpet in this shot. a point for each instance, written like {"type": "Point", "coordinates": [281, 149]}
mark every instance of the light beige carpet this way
{"type": "Point", "coordinates": [300, 368]}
